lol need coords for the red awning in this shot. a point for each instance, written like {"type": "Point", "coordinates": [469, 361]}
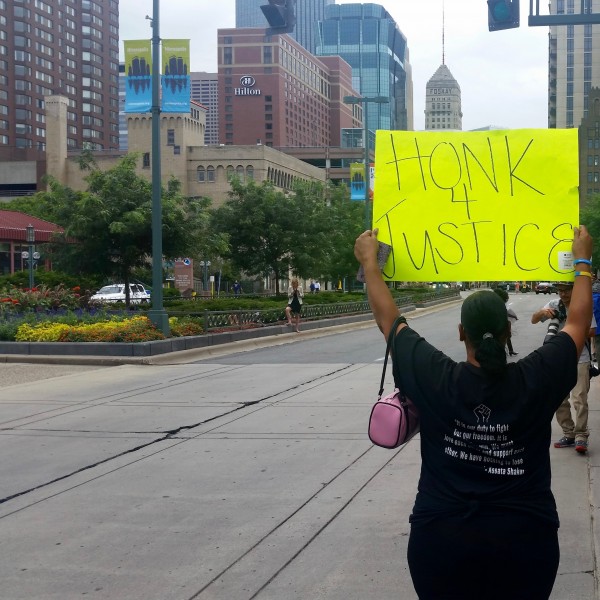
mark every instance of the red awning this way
{"type": "Point", "coordinates": [13, 226]}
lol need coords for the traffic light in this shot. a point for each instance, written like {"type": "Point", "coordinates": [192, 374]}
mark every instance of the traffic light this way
{"type": "Point", "coordinates": [503, 14]}
{"type": "Point", "coordinates": [280, 15]}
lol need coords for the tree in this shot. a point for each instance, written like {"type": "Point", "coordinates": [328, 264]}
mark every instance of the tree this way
{"type": "Point", "coordinates": [112, 222]}
{"type": "Point", "coordinates": [271, 232]}
{"type": "Point", "coordinates": [346, 223]}
{"type": "Point", "coordinates": [590, 217]}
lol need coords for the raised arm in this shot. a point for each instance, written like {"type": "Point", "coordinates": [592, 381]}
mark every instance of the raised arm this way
{"type": "Point", "coordinates": [542, 315]}
{"type": "Point", "coordinates": [579, 317]}
{"type": "Point", "coordinates": [382, 304]}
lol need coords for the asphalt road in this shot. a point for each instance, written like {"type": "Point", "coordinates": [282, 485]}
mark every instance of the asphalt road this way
{"type": "Point", "coordinates": [247, 476]}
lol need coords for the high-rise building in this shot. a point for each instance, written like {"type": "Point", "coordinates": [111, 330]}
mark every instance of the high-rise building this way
{"type": "Point", "coordinates": [205, 90]}
{"type": "Point", "coordinates": [573, 64]}
{"type": "Point", "coordinates": [442, 95]}
{"type": "Point", "coordinates": [272, 91]}
{"type": "Point", "coordinates": [443, 101]}
{"type": "Point", "coordinates": [308, 14]}
{"type": "Point", "coordinates": [123, 133]}
{"type": "Point", "coordinates": [368, 38]}
{"type": "Point", "coordinates": [69, 47]}
{"type": "Point", "coordinates": [248, 13]}
{"type": "Point", "coordinates": [589, 147]}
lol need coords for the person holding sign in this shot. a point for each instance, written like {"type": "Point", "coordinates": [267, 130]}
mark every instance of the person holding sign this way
{"type": "Point", "coordinates": [575, 432]}
{"type": "Point", "coordinates": [484, 523]}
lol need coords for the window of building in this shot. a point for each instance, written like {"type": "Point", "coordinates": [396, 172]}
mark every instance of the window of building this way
{"type": "Point", "coordinates": [210, 174]}
{"type": "Point", "coordinates": [22, 99]}
{"type": "Point", "coordinates": [201, 174]}
{"type": "Point", "coordinates": [250, 173]}
{"type": "Point", "coordinates": [146, 160]}
{"type": "Point", "coordinates": [230, 172]}
{"type": "Point", "coordinates": [170, 137]}
{"type": "Point", "coordinates": [19, 11]}
{"type": "Point", "coordinates": [267, 55]}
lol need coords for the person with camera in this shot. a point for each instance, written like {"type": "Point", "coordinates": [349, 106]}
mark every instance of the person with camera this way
{"type": "Point", "coordinates": [575, 431]}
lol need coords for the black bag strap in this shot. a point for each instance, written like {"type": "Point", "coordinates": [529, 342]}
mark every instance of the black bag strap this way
{"type": "Point", "coordinates": [588, 345]}
{"type": "Point", "coordinates": [390, 339]}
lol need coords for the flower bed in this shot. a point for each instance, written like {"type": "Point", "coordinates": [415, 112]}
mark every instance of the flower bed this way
{"type": "Point", "coordinates": [133, 329]}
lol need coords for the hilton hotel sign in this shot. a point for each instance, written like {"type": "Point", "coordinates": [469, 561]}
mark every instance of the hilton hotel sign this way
{"type": "Point", "coordinates": [247, 83]}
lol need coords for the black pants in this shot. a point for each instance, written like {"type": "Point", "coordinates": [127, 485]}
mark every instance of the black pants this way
{"type": "Point", "coordinates": [500, 557]}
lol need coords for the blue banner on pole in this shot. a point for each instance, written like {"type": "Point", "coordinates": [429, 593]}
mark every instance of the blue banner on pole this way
{"type": "Point", "coordinates": [138, 76]}
{"type": "Point", "coordinates": [357, 181]}
{"type": "Point", "coordinates": [175, 76]}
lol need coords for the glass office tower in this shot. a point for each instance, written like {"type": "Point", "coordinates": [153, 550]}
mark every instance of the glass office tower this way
{"type": "Point", "coordinates": [248, 13]}
{"type": "Point", "coordinates": [308, 14]}
{"type": "Point", "coordinates": [368, 38]}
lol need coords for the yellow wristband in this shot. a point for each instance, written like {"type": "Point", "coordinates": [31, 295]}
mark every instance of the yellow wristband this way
{"type": "Point", "coordinates": [584, 273]}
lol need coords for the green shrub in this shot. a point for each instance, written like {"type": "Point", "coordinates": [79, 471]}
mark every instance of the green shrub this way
{"type": "Point", "coordinates": [183, 326]}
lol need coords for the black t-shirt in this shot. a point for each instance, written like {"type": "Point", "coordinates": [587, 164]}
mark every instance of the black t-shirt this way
{"type": "Point", "coordinates": [484, 441]}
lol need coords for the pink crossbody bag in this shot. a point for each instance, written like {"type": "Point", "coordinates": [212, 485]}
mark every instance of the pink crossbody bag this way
{"type": "Point", "coordinates": [394, 418]}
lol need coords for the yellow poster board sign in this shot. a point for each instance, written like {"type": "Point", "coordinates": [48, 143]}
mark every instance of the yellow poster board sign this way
{"type": "Point", "coordinates": [479, 205]}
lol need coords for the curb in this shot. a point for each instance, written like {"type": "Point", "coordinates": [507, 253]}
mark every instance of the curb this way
{"type": "Point", "coordinates": [187, 349]}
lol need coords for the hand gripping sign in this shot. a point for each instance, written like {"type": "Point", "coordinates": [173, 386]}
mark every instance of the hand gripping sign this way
{"type": "Point", "coordinates": [477, 206]}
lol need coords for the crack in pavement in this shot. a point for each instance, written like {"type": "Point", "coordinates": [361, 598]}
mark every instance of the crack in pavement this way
{"type": "Point", "coordinates": [167, 435]}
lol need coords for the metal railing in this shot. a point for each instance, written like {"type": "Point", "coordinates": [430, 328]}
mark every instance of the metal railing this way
{"type": "Point", "coordinates": [248, 318]}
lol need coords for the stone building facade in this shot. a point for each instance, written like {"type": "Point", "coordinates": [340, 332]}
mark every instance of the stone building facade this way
{"type": "Point", "coordinates": [202, 170]}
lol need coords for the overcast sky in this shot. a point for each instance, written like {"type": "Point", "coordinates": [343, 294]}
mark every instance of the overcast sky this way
{"type": "Point", "coordinates": [503, 75]}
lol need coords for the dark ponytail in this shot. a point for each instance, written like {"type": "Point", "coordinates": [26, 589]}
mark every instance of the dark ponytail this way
{"type": "Point", "coordinates": [491, 356]}
{"type": "Point", "coordinates": [485, 321]}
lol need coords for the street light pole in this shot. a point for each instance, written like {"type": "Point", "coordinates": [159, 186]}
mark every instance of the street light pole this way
{"type": "Point", "coordinates": [30, 239]}
{"type": "Point", "coordinates": [365, 101]}
{"type": "Point", "coordinates": [157, 313]}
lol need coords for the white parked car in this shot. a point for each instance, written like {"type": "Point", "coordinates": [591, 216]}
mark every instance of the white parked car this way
{"type": "Point", "coordinates": [116, 293]}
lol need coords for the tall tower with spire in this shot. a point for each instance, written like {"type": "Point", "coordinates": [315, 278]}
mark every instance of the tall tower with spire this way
{"type": "Point", "coordinates": [442, 95]}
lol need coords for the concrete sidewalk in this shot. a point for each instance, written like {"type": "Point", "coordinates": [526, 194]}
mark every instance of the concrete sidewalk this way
{"type": "Point", "coordinates": [576, 486]}
{"type": "Point", "coordinates": [361, 546]}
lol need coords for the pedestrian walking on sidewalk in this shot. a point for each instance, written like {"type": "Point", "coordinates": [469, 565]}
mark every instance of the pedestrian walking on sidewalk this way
{"type": "Point", "coordinates": [512, 319]}
{"type": "Point", "coordinates": [484, 523]}
{"type": "Point", "coordinates": [575, 431]}
{"type": "Point", "coordinates": [294, 305]}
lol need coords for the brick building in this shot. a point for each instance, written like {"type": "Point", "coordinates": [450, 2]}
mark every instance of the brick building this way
{"type": "Point", "coordinates": [272, 91]}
